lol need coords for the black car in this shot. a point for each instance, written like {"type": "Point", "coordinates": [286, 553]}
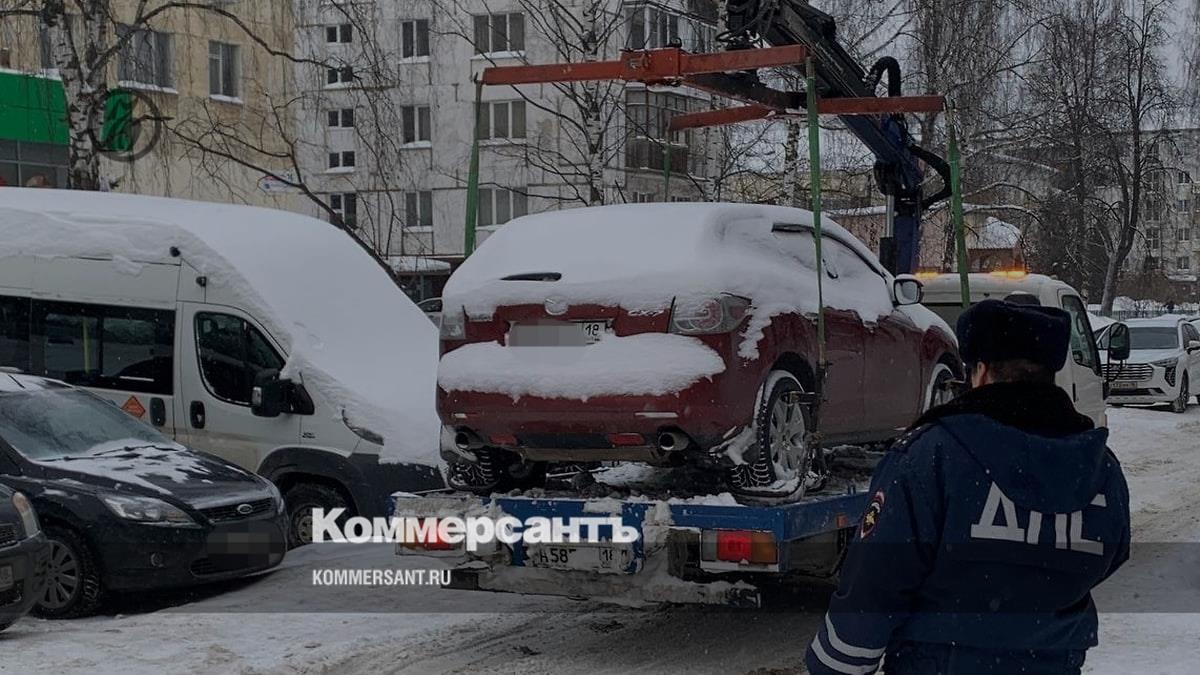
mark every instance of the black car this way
{"type": "Point", "coordinates": [24, 556]}
{"type": "Point", "coordinates": [123, 507]}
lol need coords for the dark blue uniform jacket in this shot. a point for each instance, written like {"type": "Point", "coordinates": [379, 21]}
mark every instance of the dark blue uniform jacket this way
{"type": "Point", "coordinates": [988, 526]}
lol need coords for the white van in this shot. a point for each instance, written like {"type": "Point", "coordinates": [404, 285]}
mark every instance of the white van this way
{"type": "Point", "coordinates": [1082, 377]}
{"type": "Point", "coordinates": [268, 338]}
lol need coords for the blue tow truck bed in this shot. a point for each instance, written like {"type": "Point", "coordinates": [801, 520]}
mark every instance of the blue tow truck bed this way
{"type": "Point", "coordinates": [707, 550]}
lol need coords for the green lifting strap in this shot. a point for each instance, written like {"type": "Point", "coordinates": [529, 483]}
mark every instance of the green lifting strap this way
{"type": "Point", "coordinates": [473, 176]}
{"type": "Point", "coordinates": [956, 209]}
{"type": "Point", "coordinates": [814, 167]}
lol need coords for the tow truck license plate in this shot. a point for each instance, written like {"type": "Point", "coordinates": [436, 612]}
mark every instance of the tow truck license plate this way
{"type": "Point", "coordinates": [587, 557]}
{"type": "Point", "coordinates": [6, 577]}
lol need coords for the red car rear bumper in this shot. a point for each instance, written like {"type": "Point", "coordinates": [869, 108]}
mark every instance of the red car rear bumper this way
{"type": "Point", "coordinates": [602, 428]}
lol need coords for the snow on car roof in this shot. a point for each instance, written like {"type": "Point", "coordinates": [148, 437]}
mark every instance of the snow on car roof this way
{"type": "Point", "coordinates": [349, 331]}
{"type": "Point", "coordinates": [643, 257]}
{"type": "Point", "coordinates": [1166, 320]}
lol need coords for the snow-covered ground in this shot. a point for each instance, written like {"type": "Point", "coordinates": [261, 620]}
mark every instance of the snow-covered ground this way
{"type": "Point", "coordinates": [256, 626]}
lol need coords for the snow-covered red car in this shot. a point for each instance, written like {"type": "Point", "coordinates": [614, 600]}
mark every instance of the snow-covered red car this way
{"type": "Point", "coordinates": [671, 333]}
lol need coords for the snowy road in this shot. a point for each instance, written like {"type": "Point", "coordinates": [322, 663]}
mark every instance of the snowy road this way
{"type": "Point", "coordinates": [241, 628]}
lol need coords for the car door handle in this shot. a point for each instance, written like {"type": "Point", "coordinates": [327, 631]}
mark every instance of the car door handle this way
{"type": "Point", "coordinates": [197, 414]}
{"type": "Point", "coordinates": [158, 412]}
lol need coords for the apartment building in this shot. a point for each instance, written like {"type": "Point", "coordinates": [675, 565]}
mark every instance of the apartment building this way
{"type": "Point", "coordinates": [390, 117]}
{"type": "Point", "coordinates": [214, 90]}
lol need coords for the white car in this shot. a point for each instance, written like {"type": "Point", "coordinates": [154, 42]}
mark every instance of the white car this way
{"type": "Point", "coordinates": [1081, 376]}
{"type": "Point", "coordinates": [1164, 361]}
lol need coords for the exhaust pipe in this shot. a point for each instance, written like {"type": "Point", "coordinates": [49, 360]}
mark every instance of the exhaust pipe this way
{"type": "Point", "coordinates": [670, 441]}
{"type": "Point", "coordinates": [465, 440]}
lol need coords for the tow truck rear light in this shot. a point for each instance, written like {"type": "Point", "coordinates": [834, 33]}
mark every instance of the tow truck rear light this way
{"type": "Point", "coordinates": [431, 542]}
{"type": "Point", "coordinates": [626, 439]}
{"type": "Point", "coordinates": [739, 546]}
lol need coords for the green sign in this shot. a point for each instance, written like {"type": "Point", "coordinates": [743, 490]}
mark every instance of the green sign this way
{"type": "Point", "coordinates": [32, 109]}
{"type": "Point", "coordinates": [117, 134]}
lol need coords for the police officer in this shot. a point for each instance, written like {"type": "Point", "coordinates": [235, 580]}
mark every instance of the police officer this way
{"type": "Point", "coordinates": [989, 522]}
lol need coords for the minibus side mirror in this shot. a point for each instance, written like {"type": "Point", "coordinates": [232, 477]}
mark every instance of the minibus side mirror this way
{"type": "Point", "coordinates": [1118, 342]}
{"type": "Point", "coordinates": [268, 398]}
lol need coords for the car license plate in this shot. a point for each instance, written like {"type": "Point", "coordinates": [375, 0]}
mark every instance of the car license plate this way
{"type": "Point", "coordinates": [608, 558]}
{"type": "Point", "coordinates": [6, 577]}
{"type": "Point", "coordinates": [1118, 385]}
{"type": "Point", "coordinates": [557, 333]}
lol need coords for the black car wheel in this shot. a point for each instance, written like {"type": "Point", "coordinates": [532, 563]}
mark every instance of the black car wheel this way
{"type": "Point", "coordinates": [496, 470]}
{"type": "Point", "coordinates": [73, 585]}
{"type": "Point", "coordinates": [301, 500]}
{"type": "Point", "coordinates": [1179, 405]}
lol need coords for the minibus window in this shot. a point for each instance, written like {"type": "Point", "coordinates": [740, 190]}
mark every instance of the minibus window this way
{"type": "Point", "coordinates": [104, 346]}
{"type": "Point", "coordinates": [232, 353]}
{"type": "Point", "coordinates": [14, 332]}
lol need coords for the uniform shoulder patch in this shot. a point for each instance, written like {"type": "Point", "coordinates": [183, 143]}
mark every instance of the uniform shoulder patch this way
{"type": "Point", "coordinates": [905, 440]}
{"type": "Point", "coordinates": [870, 519]}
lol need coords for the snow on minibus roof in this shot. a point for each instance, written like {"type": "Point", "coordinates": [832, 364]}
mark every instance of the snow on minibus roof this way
{"type": "Point", "coordinates": [349, 331]}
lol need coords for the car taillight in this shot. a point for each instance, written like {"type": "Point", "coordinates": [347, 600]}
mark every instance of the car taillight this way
{"type": "Point", "coordinates": [707, 316]}
{"type": "Point", "coordinates": [739, 546]}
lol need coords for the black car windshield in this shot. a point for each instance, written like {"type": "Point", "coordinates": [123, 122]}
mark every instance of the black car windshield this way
{"type": "Point", "coordinates": [1153, 337]}
{"type": "Point", "coordinates": [61, 423]}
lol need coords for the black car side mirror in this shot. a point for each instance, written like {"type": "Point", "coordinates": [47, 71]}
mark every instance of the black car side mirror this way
{"type": "Point", "coordinates": [1118, 342]}
{"type": "Point", "coordinates": [268, 398]}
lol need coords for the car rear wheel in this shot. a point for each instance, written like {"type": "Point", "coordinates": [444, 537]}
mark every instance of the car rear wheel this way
{"type": "Point", "coordinates": [778, 465]}
{"type": "Point", "coordinates": [72, 586]}
{"type": "Point", "coordinates": [301, 499]}
{"type": "Point", "coordinates": [1180, 404]}
{"type": "Point", "coordinates": [496, 470]}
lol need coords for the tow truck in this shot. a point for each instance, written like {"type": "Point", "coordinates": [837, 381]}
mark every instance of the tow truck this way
{"type": "Point", "coordinates": [708, 548]}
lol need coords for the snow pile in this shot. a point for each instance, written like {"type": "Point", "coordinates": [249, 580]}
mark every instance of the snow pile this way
{"type": "Point", "coordinates": [1097, 322]}
{"type": "Point", "coordinates": [348, 330]}
{"type": "Point", "coordinates": [996, 234]}
{"type": "Point", "coordinates": [137, 463]}
{"type": "Point", "coordinates": [641, 257]}
{"type": "Point", "coordinates": [644, 364]}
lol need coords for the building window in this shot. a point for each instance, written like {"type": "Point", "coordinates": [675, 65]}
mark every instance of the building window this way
{"type": "Point", "coordinates": [1184, 205]}
{"type": "Point", "coordinates": [500, 205]}
{"type": "Point", "coordinates": [345, 208]}
{"type": "Point", "coordinates": [145, 57]}
{"type": "Point", "coordinates": [341, 34]}
{"type": "Point", "coordinates": [344, 159]}
{"type": "Point", "coordinates": [1183, 234]}
{"type": "Point", "coordinates": [642, 197]}
{"type": "Point", "coordinates": [418, 209]}
{"type": "Point", "coordinates": [414, 120]}
{"type": "Point", "coordinates": [414, 38]}
{"type": "Point", "coordinates": [503, 119]}
{"type": "Point", "coordinates": [223, 70]}
{"type": "Point", "coordinates": [1183, 263]}
{"type": "Point", "coordinates": [341, 119]}
{"type": "Point", "coordinates": [336, 76]}
{"type": "Point", "coordinates": [32, 164]}
{"type": "Point", "coordinates": [499, 33]}
{"type": "Point", "coordinates": [1152, 239]}
{"type": "Point", "coordinates": [650, 145]}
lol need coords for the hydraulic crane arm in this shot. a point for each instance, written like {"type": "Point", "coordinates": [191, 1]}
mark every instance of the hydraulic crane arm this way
{"type": "Point", "coordinates": [897, 169]}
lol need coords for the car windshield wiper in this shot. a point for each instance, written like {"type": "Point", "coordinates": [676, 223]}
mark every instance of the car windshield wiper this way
{"type": "Point", "coordinates": [127, 449]}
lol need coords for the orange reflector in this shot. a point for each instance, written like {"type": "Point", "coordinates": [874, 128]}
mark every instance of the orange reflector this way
{"type": "Point", "coordinates": [1010, 274]}
{"type": "Point", "coordinates": [503, 439]}
{"type": "Point", "coordinates": [626, 439]}
{"type": "Point", "coordinates": [748, 546]}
